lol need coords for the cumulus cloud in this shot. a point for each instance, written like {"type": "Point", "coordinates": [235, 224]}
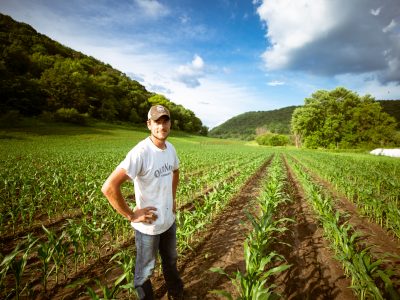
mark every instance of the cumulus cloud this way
{"type": "Point", "coordinates": [190, 73]}
{"type": "Point", "coordinates": [325, 37]}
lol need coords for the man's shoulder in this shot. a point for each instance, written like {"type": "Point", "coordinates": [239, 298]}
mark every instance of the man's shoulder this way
{"type": "Point", "coordinates": [140, 147]}
{"type": "Point", "coordinates": [170, 146]}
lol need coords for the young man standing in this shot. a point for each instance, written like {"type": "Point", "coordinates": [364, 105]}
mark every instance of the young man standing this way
{"type": "Point", "coordinates": [153, 166]}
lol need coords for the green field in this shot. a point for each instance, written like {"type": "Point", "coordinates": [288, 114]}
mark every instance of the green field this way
{"type": "Point", "coordinates": [56, 226]}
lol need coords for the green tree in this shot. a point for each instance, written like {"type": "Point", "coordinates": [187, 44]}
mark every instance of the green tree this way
{"type": "Point", "coordinates": [341, 118]}
{"type": "Point", "coordinates": [65, 82]}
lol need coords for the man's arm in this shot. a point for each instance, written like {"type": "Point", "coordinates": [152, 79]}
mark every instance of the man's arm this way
{"type": "Point", "coordinates": [112, 190]}
{"type": "Point", "coordinates": [175, 182]}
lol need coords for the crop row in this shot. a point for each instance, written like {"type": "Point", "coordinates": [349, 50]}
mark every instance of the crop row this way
{"type": "Point", "coordinates": [369, 278]}
{"type": "Point", "coordinates": [262, 263]}
{"type": "Point", "coordinates": [372, 183]}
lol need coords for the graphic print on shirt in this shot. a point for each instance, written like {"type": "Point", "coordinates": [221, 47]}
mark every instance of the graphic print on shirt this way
{"type": "Point", "coordinates": [164, 170]}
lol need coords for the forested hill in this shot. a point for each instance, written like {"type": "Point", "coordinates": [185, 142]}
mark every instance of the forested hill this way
{"type": "Point", "coordinates": [39, 75]}
{"type": "Point", "coordinates": [244, 126]}
{"type": "Point", "coordinates": [247, 125]}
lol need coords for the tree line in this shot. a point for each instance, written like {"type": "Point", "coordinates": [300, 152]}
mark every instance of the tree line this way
{"type": "Point", "coordinates": [39, 75]}
{"type": "Point", "coordinates": [341, 118]}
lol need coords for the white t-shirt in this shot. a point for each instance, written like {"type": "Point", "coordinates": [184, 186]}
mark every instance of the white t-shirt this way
{"type": "Point", "coordinates": [151, 170]}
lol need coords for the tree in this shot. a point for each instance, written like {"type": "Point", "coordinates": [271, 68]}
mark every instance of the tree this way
{"type": "Point", "coordinates": [65, 83]}
{"type": "Point", "coordinates": [341, 118]}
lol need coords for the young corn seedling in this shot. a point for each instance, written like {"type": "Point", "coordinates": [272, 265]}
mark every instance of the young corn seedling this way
{"type": "Point", "coordinates": [108, 293]}
{"type": "Point", "coordinates": [126, 261]}
{"type": "Point", "coordinates": [45, 253]}
{"type": "Point", "coordinates": [16, 262]}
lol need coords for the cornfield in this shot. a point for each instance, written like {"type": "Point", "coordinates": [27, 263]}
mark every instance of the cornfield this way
{"type": "Point", "coordinates": [60, 238]}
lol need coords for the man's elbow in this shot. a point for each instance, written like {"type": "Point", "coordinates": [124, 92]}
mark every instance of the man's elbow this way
{"type": "Point", "coordinates": [106, 189]}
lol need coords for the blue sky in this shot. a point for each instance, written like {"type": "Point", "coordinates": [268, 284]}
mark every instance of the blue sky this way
{"type": "Point", "coordinates": [221, 58]}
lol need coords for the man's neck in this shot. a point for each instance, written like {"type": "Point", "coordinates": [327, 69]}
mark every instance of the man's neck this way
{"type": "Point", "coordinates": [158, 143]}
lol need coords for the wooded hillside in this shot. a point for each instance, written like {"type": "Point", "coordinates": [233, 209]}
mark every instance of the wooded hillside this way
{"type": "Point", "coordinates": [39, 75]}
{"type": "Point", "coordinates": [244, 126]}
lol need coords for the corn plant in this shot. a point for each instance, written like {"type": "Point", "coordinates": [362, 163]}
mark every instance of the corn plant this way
{"type": "Point", "coordinates": [126, 260]}
{"type": "Point", "coordinates": [16, 263]}
{"type": "Point", "coordinates": [108, 293]}
{"type": "Point", "coordinates": [45, 254]}
{"type": "Point", "coordinates": [253, 283]}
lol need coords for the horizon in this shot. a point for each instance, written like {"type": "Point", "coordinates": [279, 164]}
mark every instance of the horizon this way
{"type": "Point", "coordinates": [252, 55]}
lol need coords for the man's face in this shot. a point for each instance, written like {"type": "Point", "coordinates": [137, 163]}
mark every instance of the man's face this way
{"type": "Point", "coordinates": [160, 129]}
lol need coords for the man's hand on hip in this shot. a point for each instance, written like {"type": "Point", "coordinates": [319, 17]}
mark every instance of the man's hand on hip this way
{"type": "Point", "coordinates": [145, 215]}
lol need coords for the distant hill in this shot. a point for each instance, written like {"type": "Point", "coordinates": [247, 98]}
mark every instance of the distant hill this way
{"type": "Point", "coordinates": [244, 125]}
{"type": "Point", "coordinates": [247, 125]}
{"type": "Point", "coordinates": [39, 75]}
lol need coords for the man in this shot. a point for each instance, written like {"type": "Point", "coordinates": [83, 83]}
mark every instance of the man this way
{"type": "Point", "coordinates": [153, 166]}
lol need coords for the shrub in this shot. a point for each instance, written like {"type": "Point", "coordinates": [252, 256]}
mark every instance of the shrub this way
{"type": "Point", "coordinates": [70, 115]}
{"type": "Point", "coordinates": [10, 119]}
{"type": "Point", "coordinates": [272, 139]}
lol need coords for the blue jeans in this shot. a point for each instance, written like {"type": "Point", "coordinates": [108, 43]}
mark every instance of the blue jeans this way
{"type": "Point", "coordinates": [147, 247]}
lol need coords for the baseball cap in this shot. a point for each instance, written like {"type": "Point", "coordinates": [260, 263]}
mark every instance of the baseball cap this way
{"type": "Point", "coordinates": [156, 112]}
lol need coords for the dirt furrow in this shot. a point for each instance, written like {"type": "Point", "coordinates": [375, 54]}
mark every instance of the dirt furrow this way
{"type": "Point", "coordinates": [221, 246]}
{"type": "Point", "coordinates": [314, 273]}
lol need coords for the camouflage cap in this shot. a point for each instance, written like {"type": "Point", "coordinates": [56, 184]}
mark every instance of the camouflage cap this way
{"type": "Point", "coordinates": [156, 112]}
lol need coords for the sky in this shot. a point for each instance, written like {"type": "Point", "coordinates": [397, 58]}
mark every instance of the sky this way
{"type": "Point", "coordinates": [221, 58]}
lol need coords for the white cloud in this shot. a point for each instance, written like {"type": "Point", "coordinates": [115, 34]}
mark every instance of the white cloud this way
{"type": "Point", "coordinates": [375, 12]}
{"type": "Point", "coordinates": [329, 38]}
{"type": "Point", "coordinates": [390, 27]}
{"type": "Point", "coordinates": [275, 83]}
{"type": "Point", "coordinates": [190, 74]}
{"type": "Point", "coordinates": [292, 25]}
